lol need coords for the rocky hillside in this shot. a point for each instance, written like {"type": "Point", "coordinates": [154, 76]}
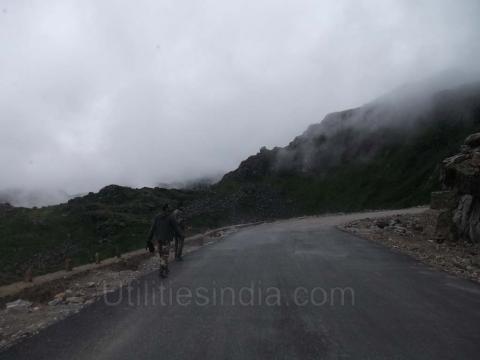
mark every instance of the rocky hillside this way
{"type": "Point", "coordinates": [459, 208]}
{"type": "Point", "coordinates": [382, 155]}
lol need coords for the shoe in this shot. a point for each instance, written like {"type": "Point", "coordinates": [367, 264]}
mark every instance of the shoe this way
{"type": "Point", "coordinates": [179, 258]}
{"type": "Point", "coordinates": [167, 270]}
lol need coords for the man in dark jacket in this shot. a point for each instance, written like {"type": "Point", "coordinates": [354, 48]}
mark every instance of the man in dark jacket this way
{"type": "Point", "coordinates": [164, 228]}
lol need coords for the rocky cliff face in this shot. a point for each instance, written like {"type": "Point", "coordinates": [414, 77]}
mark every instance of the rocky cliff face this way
{"type": "Point", "coordinates": [461, 176]}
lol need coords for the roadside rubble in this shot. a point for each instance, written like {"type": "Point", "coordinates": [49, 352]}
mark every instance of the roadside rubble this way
{"type": "Point", "coordinates": [22, 318]}
{"type": "Point", "coordinates": [26, 317]}
{"type": "Point", "coordinates": [407, 234]}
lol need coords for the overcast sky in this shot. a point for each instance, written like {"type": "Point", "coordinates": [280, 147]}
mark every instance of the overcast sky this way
{"type": "Point", "coordinates": [94, 92]}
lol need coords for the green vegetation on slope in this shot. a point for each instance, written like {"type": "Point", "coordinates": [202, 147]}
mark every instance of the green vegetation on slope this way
{"type": "Point", "coordinates": [346, 166]}
{"type": "Point", "coordinates": [353, 160]}
{"type": "Point", "coordinates": [115, 220]}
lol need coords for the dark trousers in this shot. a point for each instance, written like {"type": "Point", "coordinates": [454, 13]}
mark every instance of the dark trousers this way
{"type": "Point", "coordinates": [178, 247]}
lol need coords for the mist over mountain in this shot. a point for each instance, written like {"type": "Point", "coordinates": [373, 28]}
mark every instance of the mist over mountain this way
{"type": "Point", "coordinates": [34, 197]}
{"type": "Point", "coordinates": [383, 154]}
{"type": "Point", "coordinates": [380, 155]}
{"type": "Point", "coordinates": [351, 137]}
{"type": "Point", "coordinates": [114, 92]}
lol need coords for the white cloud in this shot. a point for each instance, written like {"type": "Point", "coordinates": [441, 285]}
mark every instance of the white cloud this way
{"type": "Point", "coordinates": [155, 91]}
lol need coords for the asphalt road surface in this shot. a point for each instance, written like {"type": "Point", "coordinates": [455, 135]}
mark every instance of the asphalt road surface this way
{"type": "Point", "coordinates": [297, 289]}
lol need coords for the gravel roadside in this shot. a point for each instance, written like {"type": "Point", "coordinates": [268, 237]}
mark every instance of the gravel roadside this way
{"type": "Point", "coordinates": [406, 233]}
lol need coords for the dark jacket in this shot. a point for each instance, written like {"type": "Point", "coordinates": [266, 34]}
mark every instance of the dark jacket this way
{"type": "Point", "coordinates": [164, 228]}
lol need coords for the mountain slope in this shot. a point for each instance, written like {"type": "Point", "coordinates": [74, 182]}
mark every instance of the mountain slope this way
{"type": "Point", "coordinates": [384, 154]}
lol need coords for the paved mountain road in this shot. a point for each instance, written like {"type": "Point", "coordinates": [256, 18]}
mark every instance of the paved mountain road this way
{"type": "Point", "coordinates": [280, 285]}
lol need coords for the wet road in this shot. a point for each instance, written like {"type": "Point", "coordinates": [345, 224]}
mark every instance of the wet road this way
{"type": "Point", "coordinates": [297, 289]}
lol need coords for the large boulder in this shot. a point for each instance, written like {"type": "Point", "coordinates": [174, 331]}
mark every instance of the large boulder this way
{"type": "Point", "coordinates": [473, 140]}
{"type": "Point", "coordinates": [462, 173]}
{"type": "Point", "coordinates": [443, 200]}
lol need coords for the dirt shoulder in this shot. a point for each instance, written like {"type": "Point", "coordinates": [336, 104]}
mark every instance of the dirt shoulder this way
{"type": "Point", "coordinates": [406, 233]}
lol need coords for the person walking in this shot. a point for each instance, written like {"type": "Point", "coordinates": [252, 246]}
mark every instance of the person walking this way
{"type": "Point", "coordinates": [164, 228]}
{"type": "Point", "coordinates": [179, 217]}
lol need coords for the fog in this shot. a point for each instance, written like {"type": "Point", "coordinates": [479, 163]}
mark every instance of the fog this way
{"type": "Point", "coordinates": [145, 92]}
